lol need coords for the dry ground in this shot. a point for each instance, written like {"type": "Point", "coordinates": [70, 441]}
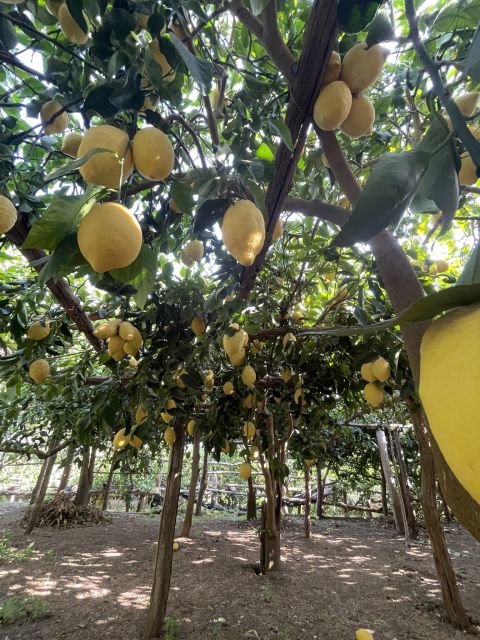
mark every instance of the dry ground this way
{"type": "Point", "coordinates": [352, 573]}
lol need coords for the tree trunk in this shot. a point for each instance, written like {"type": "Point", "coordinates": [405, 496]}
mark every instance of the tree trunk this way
{"type": "Point", "coordinates": [384, 493]}
{"type": "Point", "coordinates": [83, 489]}
{"type": "Point", "coordinates": [163, 561]}
{"type": "Point", "coordinates": [108, 484]}
{"type": "Point", "coordinates": [140, 502]}
{"type": "Point", "coordinates": [192, 489]}
{"type": "Point", "coordinates": [392, 489]}
{"type": "Point", "coordinates": [38, 483]}
{"type": "Point", "coordinates": [91, 467]}
{"type": "Point", "coordinates": [405, 487]}
{"type": "Point", "coordinates": [251, 501]}
{"type": "Point", "coordinates": [67, 468]}
{"type": "Point", "coordinates": [320, 492]}
{"type": "Point", "coordinates": [446, 510]}
{"type": "Point", "coordinates": [270, 549]}
{"type": "Point", "coordinates": [203, 484]}
{"type": "Point", "coordinates": [308, 492]}
{"type": "Point", "coordinates": [32, 521]}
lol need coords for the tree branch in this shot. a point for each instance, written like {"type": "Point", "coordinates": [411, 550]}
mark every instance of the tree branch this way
{"type": "Point", "coordinates": [15, 448]}
{"type": "Point", "coordinates": [317, 209]}
{"type": "Point", "coordinates": [9, 58]}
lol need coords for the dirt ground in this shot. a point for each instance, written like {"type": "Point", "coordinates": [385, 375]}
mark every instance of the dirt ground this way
{"type": "Point", "coordinates": [352, 573]}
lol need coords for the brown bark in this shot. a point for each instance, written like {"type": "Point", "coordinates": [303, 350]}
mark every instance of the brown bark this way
{"type": "Point", "coordinates": [91, 467]}
{"type": "Point", "coordinates": [108, 484]}
{"type": "Point", "coordinates": [307, 522]}
{"type": "Point", "coordinates": [67, 468]}
{"type": "Point", "coordinates": [203, 484]}
{"type": "Point", "coordinates": [192, 489]}
{"type": "Point", "coordinates": [163, 561]}
{"type": "Point", "coordinates": [38, 483]}
{"type": "Point", "coordinates": [270, 547]}
{"type": "Point", "coordinates": [320, 491]}
{"type": "Point", "coordinates": [405, 487]}
{"type": "Point", "coordinates": [384, 493]}
{"type": "Point", "coordinates": [81, 496]}
{"type": "Point", "coordinates": [446, 510]}
{"type": "Point", "coordinates": [32, 521]}
{"type": "Point", "coordinates": [140, 503]}
{"type": "Point", "coordinates": [251, 501]}
{"type": "Point", "coordinates": [392, 489]}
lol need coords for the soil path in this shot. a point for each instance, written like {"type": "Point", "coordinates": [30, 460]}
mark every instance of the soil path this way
{"type": "Point", "coordinates": [352, 573]}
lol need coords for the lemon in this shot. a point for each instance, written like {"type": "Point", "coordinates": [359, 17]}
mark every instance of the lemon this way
{"type": "Point", "coordinates": [141, 415]}
{"type": "Point", "coordinates": [234, 343]}
{"type": "Point", "coordinates": [105, 169]}
{"type": "Point", "coordinates": [297, 316]}
{"type": "Point", "coordinates": [132, 362]}
{"type": "Point", "coordinates": [59, 123]}
{"type": "Point", "coordinates": [243, 230]}
{"type": "Point", "coordinates": [286, 375]}
{"type": "Point", "coordinates": [362, 66]}
{"type": "Point", "coordinates": [71, 143]}
{"type": "Point", "coordinates": [367, 373]}
{"type": "Point", "coordinates": [170, 436]}
{"type": "Point", "coordinates": [249, 401]}
{"type": "Point", "coordinates": [332, 71]}
{"type": "Point", "coordinates": [363, 634]}
{"type": "Point", "coordinates": [449, 384]}
{"type": "Point", "coordinates": [109, 237]}
{"type": "Point", "coordinates": [332, 105]}
{"type": "Point", "coordinates": [381, 369]}
{"type": "Point", "coordinates": [107, 329]}
{"type": "Point", "coordinates": [8, 214]}
{"type": "Point", "coordinates": [191, 426]}
{"type": "Point", "coordinates": [228, 388]}
{"type": "Point", "coordinates": [256, 347]}
{"type": "Point", "coordinates": [249, 430]}
{"type": "Point", "coordinates": [120, 440]}
{"type": "Point", "coordinates": [161, 60]}
{"type": "Point", "coordinates": [249, 376]}
{"type": "Point", "coordinates": [245, 470]}
{"type": "Point", "coordinates": [198, 326]}
{"type": "Point", "coordinates": [253, 453]}
{"type": "Point", "coordinates": [360, 119]}
{"type": "Point", "coordinates": [298, 396]}
{"type": "Point", "coordinates": [70, 27]}
{"type": "Point", "coordinates": [468, 171]}
{"type": "Point", "coordinates": [373, 394]}
{"type": "Point", "coordinates": [135, 441]}
{"type": "Point", "coordinates": [38, 331]}
{"type": "Point", "coordinates": [126, 330]}
{"type": "Point", "coordinates": [175, 546]}
{"type": "Point", "coordinates": [288, 340]}
{"type": "Point", "coordinates": [467, 103]}
{"type": "Point", "coordinates": [153, 154]}
{"type": "Point", "coordinates": [237, 358]}
{"type": "Point", "coordinates": [115, 344]}
{"type": "Point", "coordinates": [39, 370]}
{"type": "Point", "coordinates": [192, 252]}
{"type": "Point", "coordinates": [442, 265]}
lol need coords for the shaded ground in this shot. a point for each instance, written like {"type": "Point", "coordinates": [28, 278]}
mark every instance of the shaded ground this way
{"type": "Point", "coordinates": [352, 573]}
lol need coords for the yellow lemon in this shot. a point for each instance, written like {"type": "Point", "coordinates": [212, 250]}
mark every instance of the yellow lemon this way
{"type": "Point", "coordinates": [362, 66]}
{"type": "Point", "coordinates": [153, 154]}
{"type": "Point", "coordinates": [71, 143]}
{"type": "Point", "coordinates": [161, 60]}
{"type": "Point", "coordinates": [198, 326]}
{"type": "Point", "coordinates": [332, 105]}
{"type": "Point", "coordinates": [70, 27]}
{"type": "Point", "coordinates": [39, 370]}
{"type": "Point", "coordinates": [332, 71]}
{"type": "Point", "coordinates": [59, 123]}
{"type": "Point", "coordinates": [8, 214]}
{"type": "Point", "coordinates": [373, 394]}
{"type": "Point", "coordinates": [381, 369]}
{"type": "Point", "coordinates": [249, 430]}
{"type": "Point", "coordinates": [169, 436]}
{"type": "Point", "coordinates": [367, 373]}
{"type": "Point", "coordinates": [107, 168]}
{"type": "Point", "coordinates": [360, 119]}
{"type": "Point", "coordinates": [141, 415]}
{"type": "Point", "coordinates": [467, 103]}
{"type": "Point", "coordinates": [245, 470]}
{"type": "Point", "coordinates": [107, 329]}
{"type": "Point", "coordinates": [38, 331]}
{"type": "Point", "coordinates": [278, 231]}
{"type": "Point", "coordinates": [249, 376]}
{"type": "Point", "coordinates": [228, 388]}
{"type": "Point", "coordinates": [243, 230]}
{"type": "Point", "coordinates": [191, 426]}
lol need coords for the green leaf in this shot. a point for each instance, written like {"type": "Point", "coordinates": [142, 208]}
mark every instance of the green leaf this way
{"type": "Point", "coordinates": [76, 9]}
{"type": "Point", "coordinates": [280, 127]}
{"type": "Point", "coordinates": [209, 212]}
{"type": "Point", "coordinates": [380, 30]}
{"type": "Point", "coordinates": [265, 153]}
{"type": "Point", "coordinates": [140, 274]}
{"type": "Point", "coordinates": [457, 15]}
{"type": "Point", "coordinates": [355, 15]}
{"type": "Point", "coordinates": [182, 194]}
{"type": "Point", "coordinates": [200, 70]}
{"type": "Point", "coordinates": [258, 6]}
{"type": "Point", "coordinates": [98, 100]}
{"type": "Point", "coordinates": [387, 194]}
{"type": "Point", "coordinates": [8, 38]}
{"type": "Point", "coordinates": [258, 194]}
{"type": "Point", "coordinates": [61, 216]}
{"type": "Point", "coordinates": [445, 192]}
{"type": "Point", "coordinates": [70, 167]}
{"type": "Point", "coordinates": [63, 260]}
{"type": "Point", "coordinates": [436, 303]}
{"type": "Point", "coordinates": [471, 271]}
{"type": "Point", "coordinates": [472, 64]}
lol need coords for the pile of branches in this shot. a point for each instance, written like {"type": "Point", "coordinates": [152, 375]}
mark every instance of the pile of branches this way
{"type": "Point", "coordinates": [61, 512]}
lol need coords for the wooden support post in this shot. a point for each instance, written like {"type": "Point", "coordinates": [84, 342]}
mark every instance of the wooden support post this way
{"type": "Point", "coordinates": [387, 471]}
{"type": "Point", "coordinates": [163, 561]}
{"type": "Point", "coordinates": [67, 468]}
{"type": "Point", "coordinates": [192, 489]}
{"type": "Point", "coordinates": [405, 486]}
{"type": "Point", "coordinates": [83, 489]}
{"type": "Point", "coordinates": [308, 492]}
{"type": "Point", "coordinates": [251, 501]}
{"type": "Point", "coordinates": [203, 484]}
{"type": "Point", "coordinates": [38, 483]}
{"type": "Point", "coordinates": [37, 508]}
{"type": "Point", "coordinates": [108, 484]}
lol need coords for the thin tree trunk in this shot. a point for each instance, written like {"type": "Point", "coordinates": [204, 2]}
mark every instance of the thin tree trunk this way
{"type": "Point", "coordinates": [401, 502]}
{"type": "Point", "coordinates": [192, 489]}
{"type": "Point", "coordinates": [83, 489]}
{"type": "Point", "coordinates": [203, 484]}
{"type": "Point", "coordinates": [270, 548]}
{"type": "Point", "coordinates": [35, 514]}
{"type": "Point", "coordinates": [38, 483]}
{"type": "Point", "coordinates": [320, 491]}
{"type": "Point", "coordinates": [446, 509]}
{"type": "Point", "coordinates": [91, 467]}
{"type": "Point", "coordinates": [108, 484]}
{"type": "Point", "coordinates": [384, 493]}
{"type": "Point", "coordinates": [405, 487]}
{"type": "Point", "coordinates": [251, 501]}
{"type": "Point", "coordinates": [387, 470]}
{"type": "Point", "coordinates": [141, 500]}
{"type": "Point", "coordinates": [67, 468]}
{"type": "Point", "coordinates": [308, 492]}
{"type": "Point", "coordinates": [163, 561]}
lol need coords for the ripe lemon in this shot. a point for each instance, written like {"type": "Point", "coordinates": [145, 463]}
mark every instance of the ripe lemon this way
{"type": "Point", "coordinates": [286, 375]}
{"type": "Point", "coordinates": [234, 343]}
{"type": "Point", "coordinates": [170, 436]}
{"type": "Point", "coordinates": [363, 634]}
{"type": "Point", "coordinates": [115, 344]}
{"type": "Point", "coordinates": [191, 426]}
{"type": "Point", "coordinates": [71, 143]}
{"type": "Point", "coordinates": [442, 265]}
{"type": "Point", "coordinates": [141, 415]}
{"type": "Point", "coordinates": [245, 470]}
{"type": "Point", "coordinates": [381, 369]}
{"type": "Point", "coordinates": [109, 237]}
{"type": "Point", "coordinates": [107, 329]}
{"type": "Point", "coordinates": [70, 28]}
{"type": "Point", "coordinates": [298, 396]}
{"type": "Point", "coordinates": [120, 440]}
{"type": "Point", "coordinates": [468, 171]}
{"type": "Point", "coordinates": [59, 123]}
{"type": "Point", "coordinates": [332, 105]}
{"type": "Point", "coordinates": [249, 430]}
{"type": "Point", "coordinates": [126, 330]}
{"type": "Point", "coordinates": [367, 373]}
{"type": "Point", "coordinates": [160, 59]}
{"type": "Point", "coordinates": [332, 71]}
{"type": "Point", "coordinates": [105, 169]}
{"type": "Point", "coordinates": [198, 326]}
{"type": "Point", "coordinates": [192, 252]}
{"type": "Point", "coordinates": [249, 376]}
{"type": "Point", "coordinates": [39, 370]}
{"type": "Point", "coordinates": [449, 384]}
{"type": "Point", "coordinates": [253, 453]}
{"type": "Point", "coordinates": [53, 6]}
{"type": "Point", "coordinates": [135, 441]}
{"type": "Point", "coordinates": [297, 316]}
{"type": "Point", "coordinates": [288, 340]}
{"type": "Point", "coordinates": [228, 388]}
{"type": "Point", "coordinates": [373, 394]}
{"type": "Point", "coordinates": [243, 230]}
{"type": "Point", "coordinates": [256, 347]}
{"type": "Point", "coordinates": [362, 66]}
{"type": "Point", "coordinates": [237, 358]}
{"type": "Point", "coordinates": [38, 331]}
{"type": "Point", "coordinates": [175, 546]}
{"type": "Point", "coordinates": [8, 214]}
{"type": "Point", "coordinates": [153, 154]}
{"type": "Point", "coordinates": [132, 362]}
{"type": "Point", "coordinates": [467, 103]}
{"type": "Point", "coordinates": [360, 119]}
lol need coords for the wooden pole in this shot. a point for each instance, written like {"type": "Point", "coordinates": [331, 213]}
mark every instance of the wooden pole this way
{"type": "Point", "coordinates": [405, 485]}
{"type": "Point", "coordinates": [163, 561]}
{"type": "Point", "coordinates": [192, 489]}
{"type": "Point", "coordinates": [67, 468]}
{"type": "Point", "coordinates": [387, 471]}
{"type": "Point", "coordinates": [38, 483]}
{"type": "Point", "coordinates": [203, 484]}
{"type": "Point", "coordinates": [108, 484]}
{"type": "Point", "coordinates": [251, 501]}
{"type": "Point", "coordinates": [81, 497]}
{"type": "Point", "coordinates": [308, 492]}
{"type": "Point", "coordinates": [37, 508]}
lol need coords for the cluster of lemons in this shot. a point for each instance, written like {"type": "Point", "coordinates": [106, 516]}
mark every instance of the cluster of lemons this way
{"type": "Point", "coordinates": [124, 339]}
{"type": "Point", "coordinates": [39, 370]}
{"type": "Point", "coordinates": [373, 372]}
{"type": "Point", "coordinates": [340, 102]}
{"type": "Point", "coordinates": [121, 440]}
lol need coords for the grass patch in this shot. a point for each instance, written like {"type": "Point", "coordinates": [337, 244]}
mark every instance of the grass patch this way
{"type": "Point", "coordinates": [17, 608]}
{"type": "Point", "coordinates": [9, 553]}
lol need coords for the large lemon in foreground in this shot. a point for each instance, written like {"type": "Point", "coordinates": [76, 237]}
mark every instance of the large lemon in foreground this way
{"type": "Point", "coordinates": [105, 169]}
{"type": "Point", "coordinates": [153, 153]}
{"type": "Point", "coordinates": [243, 231]}
{"type": "Point", "coordinates": [109, 237]}
{"type": "Point", "coordinates": [450, 391]}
